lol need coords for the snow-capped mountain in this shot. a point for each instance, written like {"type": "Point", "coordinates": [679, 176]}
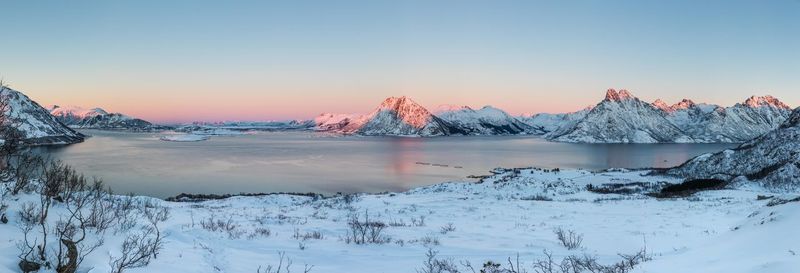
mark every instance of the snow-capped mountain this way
{"type": "Point", "coordinates": [35, 123]}
{"type": "Point", "coordinates": [97, 118]}
{"type": "Point", "coordinates": [547, 122]}
{"type": "Point", "coordinates": [72, 114]}
{"type": "Point", "coordinates": [621, 118]}
{"type": "Point", "coordinates": [400, 116]}
{"type": "Point", "coordinates": [738, 123]}
{"type": "Point", "coordinates": [115, 121]}
{"type": "Point", "coordinates": [485, 121]}
{"type": "Point", "coordinates": [772, 160]}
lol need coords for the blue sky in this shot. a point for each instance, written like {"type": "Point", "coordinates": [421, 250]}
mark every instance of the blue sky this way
{"type": "Point", "coordinates": [221, 60]}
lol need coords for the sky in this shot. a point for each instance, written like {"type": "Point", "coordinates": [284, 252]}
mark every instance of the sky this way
{"type": "Point", "coordinates": [192, 60]}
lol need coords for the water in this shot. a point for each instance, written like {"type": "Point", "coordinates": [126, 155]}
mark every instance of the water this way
{"type": "Point", "coordinates": [310, 162]}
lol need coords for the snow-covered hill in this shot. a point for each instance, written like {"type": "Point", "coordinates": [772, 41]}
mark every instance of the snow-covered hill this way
{"type": "Point", "coordinates": [621, 118]}
{"type": "Point", "coordinates": [772, 160]}
{"type": "Point", "coordinates": [485, 121]}
{"type": "Point", "coordinates": [97, 118]}
{"type": "Point", "coordinates": [401, 116]}
{"type": "Point", "coordinates": [333, 122]}
{"type": "Point", "coordinates": [35, 123]}
{"type": "Point", "coordinates": [550, 122]}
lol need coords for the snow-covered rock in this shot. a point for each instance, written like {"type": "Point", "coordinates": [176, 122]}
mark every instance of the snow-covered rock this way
{"type": "Point", "coordinates": [772, 160]}
{"type": "Point", "coordinates": [485, 121]}
{"type": "Point", "coordinates": [401, 116]}
{"type": "Point", "coordinates": [621, 118]}
{"type": "Point", "coordinates": [35, 123]}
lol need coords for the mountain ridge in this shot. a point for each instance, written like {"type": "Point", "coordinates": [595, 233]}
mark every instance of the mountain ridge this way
{"type": "Point", "coordinates": [35, 123]}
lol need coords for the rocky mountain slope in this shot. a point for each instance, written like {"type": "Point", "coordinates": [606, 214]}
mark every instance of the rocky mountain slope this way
{"type": "Point", "coordinates": [738, 123]}
{"type": "Point", "coordinates": [485, 121]}
{"type": "Point", "coordinates": [35, 123]}
{"type": "Point", "coordinates": [621, 118]}
{"type": "Point", "coordinates": [772, 160]}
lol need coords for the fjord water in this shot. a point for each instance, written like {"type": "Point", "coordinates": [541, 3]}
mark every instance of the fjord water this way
{"type": "Point", "coordinates": [312, 162]}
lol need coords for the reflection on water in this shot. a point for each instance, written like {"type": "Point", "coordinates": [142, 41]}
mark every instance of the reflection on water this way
{"type": "Point", "coordinates": [306, 162]}
{"type": "Point", "coordinates": [403, 154]}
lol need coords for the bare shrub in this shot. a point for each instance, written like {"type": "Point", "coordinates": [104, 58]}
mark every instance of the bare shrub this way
{"type": "Point", "coordinates": [430, 240]}
{"type": "Point", "coordinates": [538, 197]}
{"type": "Point", "coordinates": [259, 232]}
{"type": "Point", "coordinates": [140, 248]}
{"type": "Point", "coordinates": [137, 251]}
{"type": "Point", "coordinates": [418, 222]}
{"type": "Point", "coordinates": [25, 168]}
{"type": "Point", "coordinates": [316, 235]}
{"type": "Point", "coordinates": [569, 238]}
{"type": "Point", "coordinates": [586, 263]}
{"type": "Point", "coordinates": [154, 214]}
{"type": "Point", "coordinates": [448, 228]}
{"type": "Point", "coordinates": [435, 265]}
{"type": "Point", "coordinates": [214, 224]}
{"type": "Point", "coordinates": [124, 213]}
{"type": "Point", "coordinates": [365, 231]}
{"type": "Point", "coordinates": [284, 266]}
{"type": "Point", "coordinates": [29, 214]}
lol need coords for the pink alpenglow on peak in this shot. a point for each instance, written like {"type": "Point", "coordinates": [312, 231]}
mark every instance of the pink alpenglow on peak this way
{"type": "Point", "coordinates": [770, 101]}
{"type": "Point", "coordinates": [660, 104]}
{"type": "Point", "coordinates": [407, 110]}
{"type": "Point", "coordinates": [683, 104]}
{"type": "Point", "coordinates": [451, 108]}
{"type": "Point", "coordinates": [75, 111]}
{"type": "Point", "coordinates": [614, 95]}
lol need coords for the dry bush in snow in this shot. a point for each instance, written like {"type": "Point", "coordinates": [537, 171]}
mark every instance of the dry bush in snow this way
{"type": "Point", "coordinates": [365, 231]}
{"type": "Point", "coordinates": [569, 238]}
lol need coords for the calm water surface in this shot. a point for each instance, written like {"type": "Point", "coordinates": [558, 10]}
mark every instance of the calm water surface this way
{"type": "Point", "coordinates": [310, 162]}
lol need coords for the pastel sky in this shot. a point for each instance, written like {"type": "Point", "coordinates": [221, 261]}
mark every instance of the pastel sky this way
{"type": "Point", "coordinates": [186, 60]}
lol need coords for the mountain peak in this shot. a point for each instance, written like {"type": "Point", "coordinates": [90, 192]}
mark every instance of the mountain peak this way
{"type": "Point", "coordinates": [683, 104]}
{"type": "Point", "coordinates": [614, 95]}
{"type": "Point", "coordinates": [768, 100]}
{"type": "Point", "coordinates": [407, 110]}
{"type": "Point", "coordinates": [396, 102]}
{"type": "Point", "coordinates": [660, 104]}
{"type": "Point", "coordinates": [452, 108]}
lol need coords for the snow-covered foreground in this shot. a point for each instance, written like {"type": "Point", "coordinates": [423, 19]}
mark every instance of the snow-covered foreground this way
{"type": "Point", "coordinates": [512, 213]}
